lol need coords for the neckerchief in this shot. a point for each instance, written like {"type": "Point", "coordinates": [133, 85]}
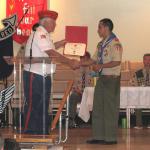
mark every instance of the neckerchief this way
{"type": "Point", "coordinates": [103, 46]}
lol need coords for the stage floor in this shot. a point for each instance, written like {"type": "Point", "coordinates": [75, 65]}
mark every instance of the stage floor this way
{"type": "Point", "coordinates": [128, 139]}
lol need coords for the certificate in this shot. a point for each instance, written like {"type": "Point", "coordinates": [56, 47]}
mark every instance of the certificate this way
{"type": "Point", "coordinates": [75, 49]}
{"type": "Point", "coordinates": [76, 37]}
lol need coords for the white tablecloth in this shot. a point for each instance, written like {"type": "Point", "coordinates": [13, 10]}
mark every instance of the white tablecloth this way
{"type": "Point", "coordinates": [130, 97]}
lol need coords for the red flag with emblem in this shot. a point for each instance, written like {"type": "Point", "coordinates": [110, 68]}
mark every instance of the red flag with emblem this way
{"type": "Point", "coordinates": [28, 7]}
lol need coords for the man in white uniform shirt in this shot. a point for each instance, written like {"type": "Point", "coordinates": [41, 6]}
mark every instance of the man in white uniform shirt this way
{"type": "Point", "coordinates": [37, 82]}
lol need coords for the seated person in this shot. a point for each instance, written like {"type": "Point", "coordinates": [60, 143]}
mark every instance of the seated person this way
{"type": "Point", "coordinates": [141, 78]}
{"type": "Point", "coordinates": [82, 79]}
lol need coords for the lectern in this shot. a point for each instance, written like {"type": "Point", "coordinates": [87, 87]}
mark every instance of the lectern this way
{"type": "Point", "coordinates": [19, 94]}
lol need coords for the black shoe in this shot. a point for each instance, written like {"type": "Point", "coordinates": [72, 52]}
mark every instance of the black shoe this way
{"type": "Point", "coordinates": [110, 142]}
{"type": "Point", "coordinates": [72, 124]}
{"type": "Point", "coordinates": [94, 141]}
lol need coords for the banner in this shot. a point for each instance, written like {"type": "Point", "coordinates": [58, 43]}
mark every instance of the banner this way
{"type": "Point", "coordinates": [9, 27]}
{"type": "Point", "coordinates": [29, 9]}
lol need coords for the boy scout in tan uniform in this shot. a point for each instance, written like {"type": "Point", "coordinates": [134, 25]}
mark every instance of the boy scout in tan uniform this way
{"type": "Point", "coordinates": [107, 62]}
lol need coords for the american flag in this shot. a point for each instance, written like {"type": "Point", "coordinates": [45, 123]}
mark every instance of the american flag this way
{"type": "Point", "coordinates": [5, 97]}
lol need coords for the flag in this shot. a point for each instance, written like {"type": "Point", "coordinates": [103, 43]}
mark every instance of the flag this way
{"type": "Point", "coordinates": [5, 97]}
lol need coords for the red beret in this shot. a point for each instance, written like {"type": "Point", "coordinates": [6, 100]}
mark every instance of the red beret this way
{"type": "Point", "coordinates": [48, 13]}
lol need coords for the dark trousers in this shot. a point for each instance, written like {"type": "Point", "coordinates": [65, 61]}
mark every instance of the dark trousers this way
{"type": "Point", "coordinates": [37, 94]}
{"type": "Point", "coordinates": [74, 99]}
{"type": "Point", "coordinates": [138, 114]}
{"type": "Point", "coordinates": [106, 108]}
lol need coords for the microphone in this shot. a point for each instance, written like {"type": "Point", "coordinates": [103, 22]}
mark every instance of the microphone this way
{"type": "Point", "coordinates": [35, 26]}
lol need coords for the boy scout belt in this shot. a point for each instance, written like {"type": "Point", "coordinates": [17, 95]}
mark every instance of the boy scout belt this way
{"type": "Point", "coordinates": [109, 76]}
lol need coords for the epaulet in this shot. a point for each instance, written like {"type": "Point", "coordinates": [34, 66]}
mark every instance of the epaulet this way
{"type": "Point", "coordinates": [139, 73]}
{"type": "Point", "coordinates": [116, 39]}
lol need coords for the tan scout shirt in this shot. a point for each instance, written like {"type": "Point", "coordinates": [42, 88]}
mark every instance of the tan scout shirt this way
{"type": "Point", "coordinates": [112, 52]}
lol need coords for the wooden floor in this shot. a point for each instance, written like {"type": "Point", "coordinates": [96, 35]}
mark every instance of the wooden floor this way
{"type": "Point", "coordinates": [132, 139]}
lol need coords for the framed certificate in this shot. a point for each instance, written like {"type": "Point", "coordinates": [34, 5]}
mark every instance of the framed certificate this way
{"type": "Point", "coordinates": [76, 36]}
{"type": "Point", "coordinates": [75, 49]}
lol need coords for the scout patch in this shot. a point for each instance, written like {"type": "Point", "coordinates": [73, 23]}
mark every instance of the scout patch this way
{"type": "Point", "coordinates": [116, 39]}
{"type": "Point", "coordinates": [118, 47]}
{"type": "Point", "coordinates": [43, 36]}
{"type": "Point", "coordinates": [105, 52]}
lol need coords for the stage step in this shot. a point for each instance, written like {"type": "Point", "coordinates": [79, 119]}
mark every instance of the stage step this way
{"type": "Point", "coordinates": [57, 147]}
{"type": "Point", "coordinates": [26, 138]}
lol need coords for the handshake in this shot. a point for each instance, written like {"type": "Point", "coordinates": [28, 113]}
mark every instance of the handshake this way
{"type": "Point", "coordinates": [85, 61]}
{"type": "Point", "coordinates": [74, 64]}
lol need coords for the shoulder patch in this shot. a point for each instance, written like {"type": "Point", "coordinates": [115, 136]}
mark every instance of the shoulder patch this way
{"type": "Point", "coordinates": [118, 47]}
{"type": "Point", "coordinates": [116, 39]}
{"type": "Point", "coordinates": [43, 36]}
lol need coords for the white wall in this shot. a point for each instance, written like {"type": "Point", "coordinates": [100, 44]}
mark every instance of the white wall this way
{"type": "Point", "coordinates": [130, 17]}
{"type": "Point", "coordinates": [2, 11]}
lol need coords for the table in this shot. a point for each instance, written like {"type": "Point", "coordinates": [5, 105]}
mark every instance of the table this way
{"type": "Point", "coordinates": [130, 97]}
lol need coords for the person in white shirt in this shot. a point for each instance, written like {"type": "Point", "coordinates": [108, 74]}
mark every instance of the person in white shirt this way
{"type": "Point", "coordinates": [37, 81]}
